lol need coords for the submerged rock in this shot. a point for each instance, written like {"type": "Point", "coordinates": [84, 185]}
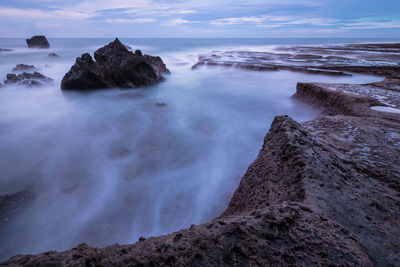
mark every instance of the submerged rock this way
{"type": "Point", "coordinates": [29, 79]}
{"type": "Point", "coordinates": [5, 50]}
{"type": "Point", "coordinates": [23, 67]}
{"type": "Point", "coordinates": [39, 41]}
{"type": "Point", "coordinates": [12, 205]}
{"type": "Point", "coordinates": [115, 66]}
{"type": "Point", "coordinates": [52, 55]}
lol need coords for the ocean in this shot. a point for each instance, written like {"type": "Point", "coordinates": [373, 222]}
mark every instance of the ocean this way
{"type": "Point", "coordinates": [110, 166]}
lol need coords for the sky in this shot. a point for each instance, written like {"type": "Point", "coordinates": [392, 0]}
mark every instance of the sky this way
{"type": "Point", "coordinates": [201, 18]}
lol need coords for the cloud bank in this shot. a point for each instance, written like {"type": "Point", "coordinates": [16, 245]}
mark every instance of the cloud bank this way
{"type": "Point", "coordinates": [217, 18]}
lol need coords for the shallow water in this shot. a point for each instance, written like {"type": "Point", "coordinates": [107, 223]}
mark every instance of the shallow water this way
{"type": "Point", "coordinates": [110, 166]}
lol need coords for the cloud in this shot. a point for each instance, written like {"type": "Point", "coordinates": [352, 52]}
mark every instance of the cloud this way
{"type": "Point", "coordinates": [18, 13]}
{"type": "Point", "coordinates": [179, 21]}
{"type": "Point", "coordinates": [139, 20]}
{"type": "Point", "coordinates": [239, 20]}
{"type": "Point", "coordinates": [372, 23]}
{"type": "Point", "coordinates": [226, 17]}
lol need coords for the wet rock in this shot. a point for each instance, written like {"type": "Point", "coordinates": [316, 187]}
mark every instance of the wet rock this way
{"type": "Point", "coordinates": [115, 66]}
{"type": "Point", "coordinates": [28, 79]}
{"type": "Point", "coordinates": [23, 67]}
{"type": "Point", "coordinates": [327, 60]}
{"type": "Point", "coordinates": [53, 55]}
{"type": "Point", "coordinates": [5, 50]}
{"type": "Point", "coordinates": [161, 104]}
{"type": "Point", "coordinates": [39, 41]}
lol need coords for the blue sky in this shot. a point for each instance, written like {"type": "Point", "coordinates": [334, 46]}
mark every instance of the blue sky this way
{"type": "Point", "coordinates": [200, 18]}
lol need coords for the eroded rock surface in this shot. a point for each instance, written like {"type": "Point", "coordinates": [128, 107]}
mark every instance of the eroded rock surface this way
{"type": "Point", "coordinates": [39, 41]}
{"type": "Point", "coordinates": [115, 66]}
{"type": "Point", "coordinates": [326, 60]}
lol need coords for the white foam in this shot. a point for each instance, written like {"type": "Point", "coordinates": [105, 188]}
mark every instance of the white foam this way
{"type": "Point", "coordinates": [386, 109]}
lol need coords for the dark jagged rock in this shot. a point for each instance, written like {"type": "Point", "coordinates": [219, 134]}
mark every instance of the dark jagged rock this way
{"type": "Point", "coordinates": [53, 55]}
{"type": "Point", "coordinates": [5, 50]}
{"type": "Point", "coordinates": [29, 79]}
{"type": "Point", "coordinates": [38, 42]}
{"type": "Point", "coordinates": [85, 74]}
{"type": "Point", "coordinates": [23, 67]}
{"type": "Point", "coordinates": [115, 66]}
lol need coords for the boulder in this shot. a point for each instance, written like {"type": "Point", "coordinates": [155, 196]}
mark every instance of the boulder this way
{"type": "Point", "coordinates": [38, 42]}
{"type": "Point", "coordinates": [23, 67]}
{"type": "Point", "coordinates": [114, 66]}
{"type": "Point", "coordinates": [30, 79]}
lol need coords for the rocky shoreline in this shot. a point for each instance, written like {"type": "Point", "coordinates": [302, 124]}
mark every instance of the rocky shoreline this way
{"type": "Point", "coordinates": [323, 192]}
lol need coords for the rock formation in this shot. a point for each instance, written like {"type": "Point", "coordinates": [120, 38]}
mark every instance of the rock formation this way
{"type": "Point", "coordinates": [115, 66]}
{"type": "Point", "coordinates": [38, 42]}
{"type": "Point", "coordinates": [23, 67]}
{"type": "Point", "coordinates": [29, 79]}
{"type": "Point", "coordinates": [312, 59]}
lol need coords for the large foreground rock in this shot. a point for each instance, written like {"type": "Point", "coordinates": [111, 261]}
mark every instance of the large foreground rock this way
{"type": "Point", "coordinates": [38, 42]}
{"type": "Point", "coordinates": [115, 66]}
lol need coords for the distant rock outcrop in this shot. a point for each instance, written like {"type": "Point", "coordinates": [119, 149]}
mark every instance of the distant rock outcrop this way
{"type": "Point", "coordinates": [23, 67]}
{"type": "Point", "coordinates": [115, 66]}
{"type": "Point", "coordinates": [53, 55]}
{"type": "Point", "coordinates": [5, 50]}
{"type": "Point", "coordinates": [38, 42]}
{"type": "Point", "coordinates": [29, 79]}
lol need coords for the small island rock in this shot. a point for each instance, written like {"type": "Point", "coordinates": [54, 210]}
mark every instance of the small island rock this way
{"type": "Point", "coordinates": [114, 66]}
{"type": "Point", "coordinates": [23, 67]}
{"type": "Point", "coordinates": [38, 42]}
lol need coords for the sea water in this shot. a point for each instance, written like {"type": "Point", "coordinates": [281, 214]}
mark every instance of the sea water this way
{"type": "Point", "coordinates": [110, 166]}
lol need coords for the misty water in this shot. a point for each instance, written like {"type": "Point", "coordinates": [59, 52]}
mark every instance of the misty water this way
{"type": "Point", "coordinates": [111, 166]}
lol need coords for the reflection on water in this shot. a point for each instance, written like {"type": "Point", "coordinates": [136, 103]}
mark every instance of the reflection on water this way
{"type": "Point", "coordinates": [110, 166]}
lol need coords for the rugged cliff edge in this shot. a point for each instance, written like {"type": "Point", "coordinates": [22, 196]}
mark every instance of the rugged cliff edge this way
{"type": "Point", "coordinates": [324, 192]}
